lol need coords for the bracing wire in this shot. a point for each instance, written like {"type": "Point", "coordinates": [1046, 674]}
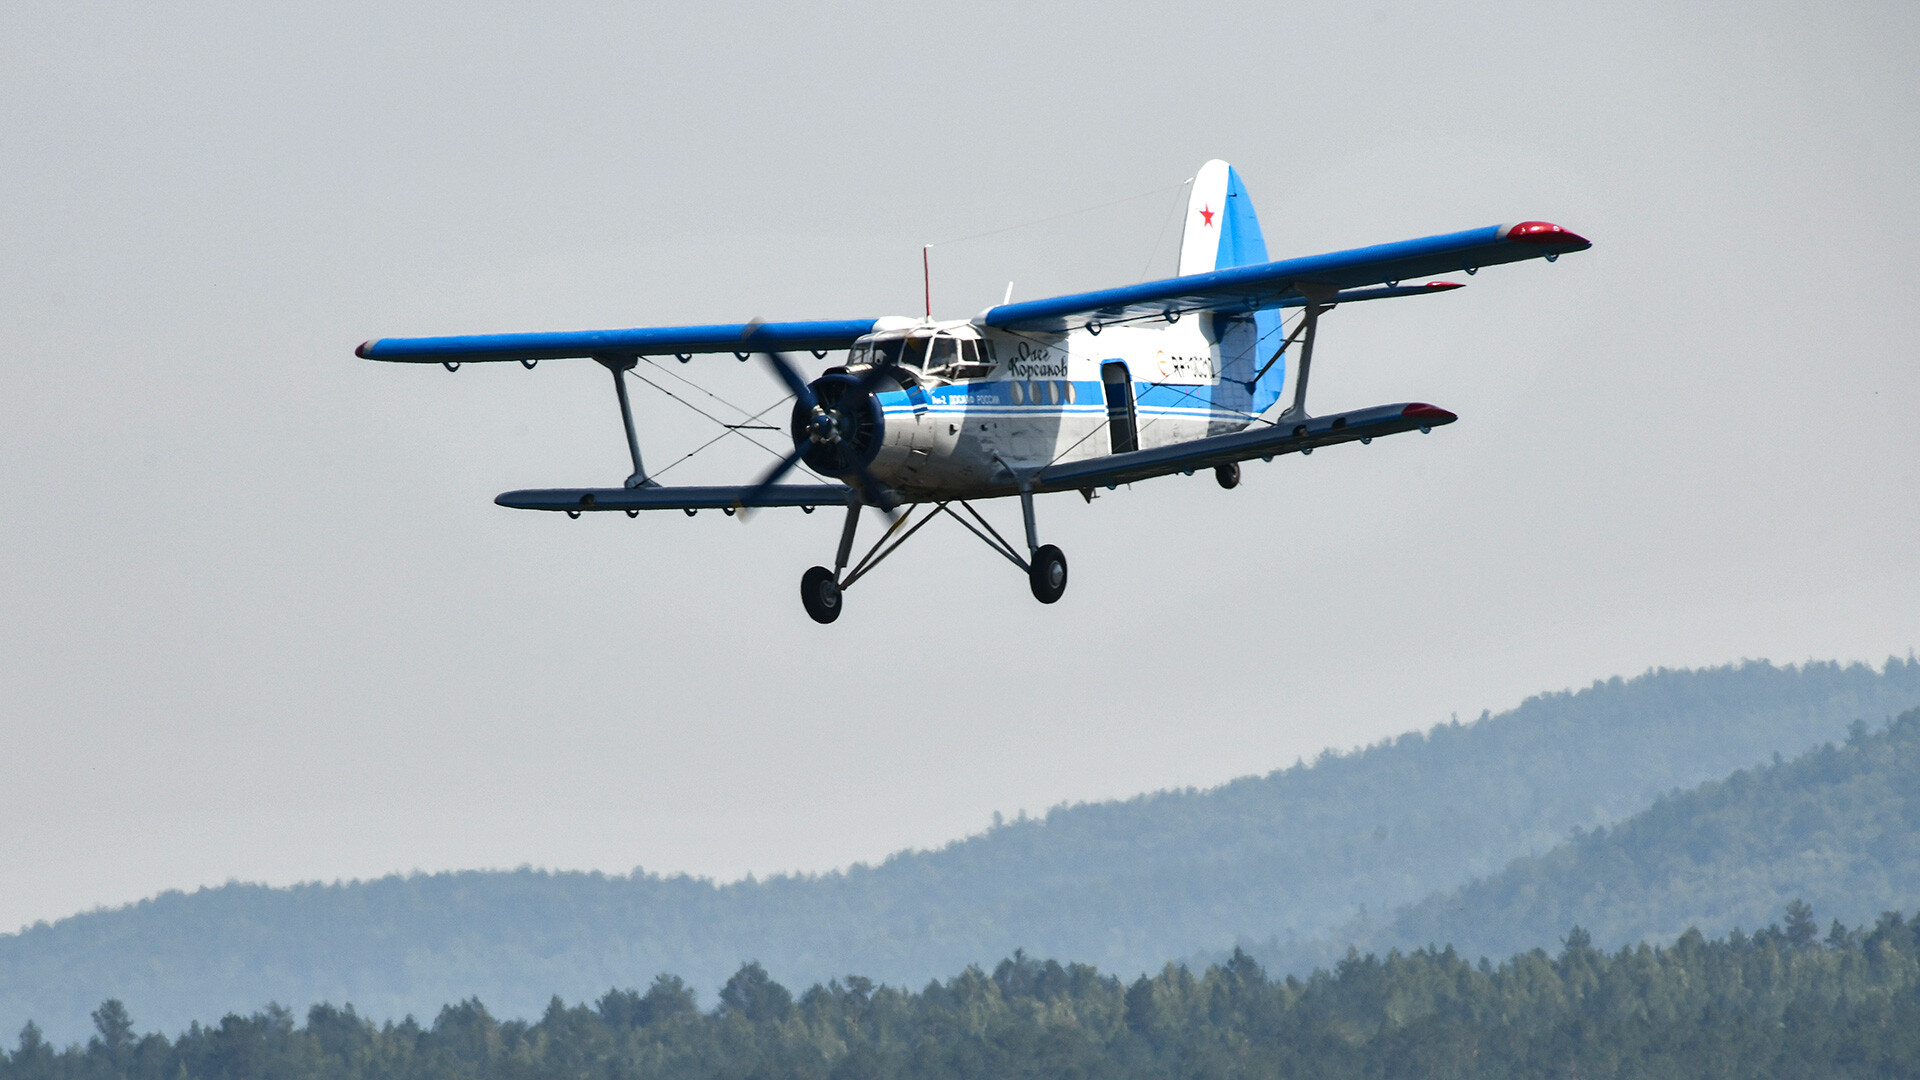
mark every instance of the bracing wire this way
{"type": "Point", "coordinates": [728, 429]}
{"type": "Point", "coordinates": [682, 378]}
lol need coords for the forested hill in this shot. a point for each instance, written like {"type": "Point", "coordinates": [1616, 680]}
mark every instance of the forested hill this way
{"type": "Point", "coordinates": [1838, 827]}
{"type": "Point", "coordinates": [1125, 885]}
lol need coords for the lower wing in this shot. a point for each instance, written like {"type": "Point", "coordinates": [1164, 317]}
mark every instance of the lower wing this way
{"type": "Point", "coordinates": [1284, 438]}
{"type": "Point", "coordinates": [576, 500]}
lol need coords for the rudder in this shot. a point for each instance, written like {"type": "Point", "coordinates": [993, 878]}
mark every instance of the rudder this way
{"type": "Point", "coordinates": [1222, 231]}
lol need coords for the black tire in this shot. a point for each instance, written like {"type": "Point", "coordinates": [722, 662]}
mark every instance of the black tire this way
{"type": "Point", "coordinates": [821, 594]}
{"type": "Point", "coordinates": [1228, 475]}
{"type": "Point", "coordinates": [1049, 574]}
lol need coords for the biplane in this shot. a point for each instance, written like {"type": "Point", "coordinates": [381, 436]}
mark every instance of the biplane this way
{"type": "Point", "coordinates": [1075, 393]}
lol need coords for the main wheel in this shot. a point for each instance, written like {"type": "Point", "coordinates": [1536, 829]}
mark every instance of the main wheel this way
{"type": "Point", "coordinates": [1049, 574]}
{"type": "Point", "coordinates": [1228, 474]}
{"type": "Point", "coordinates": [821, 594]}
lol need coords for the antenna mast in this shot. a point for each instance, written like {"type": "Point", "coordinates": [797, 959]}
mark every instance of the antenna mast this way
{"type": "Point", "coordinates": [926, 277]}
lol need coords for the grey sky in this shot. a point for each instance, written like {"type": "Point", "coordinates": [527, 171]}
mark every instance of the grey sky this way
{"type": "Point", "coordinates": [260, 619]}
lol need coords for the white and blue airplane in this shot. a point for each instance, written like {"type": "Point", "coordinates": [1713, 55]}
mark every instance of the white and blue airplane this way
{"type": "Point", "coordinates": [1071, 393]}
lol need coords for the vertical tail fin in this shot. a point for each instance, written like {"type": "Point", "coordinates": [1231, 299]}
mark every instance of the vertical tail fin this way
{"type": "Point", "coordinates": [1221, 228]}
{"type": "Point", "coordinates": [1222, 231]}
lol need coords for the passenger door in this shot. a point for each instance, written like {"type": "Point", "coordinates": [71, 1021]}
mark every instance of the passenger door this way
{"type": "Point", "coordinates": [1122, 433]}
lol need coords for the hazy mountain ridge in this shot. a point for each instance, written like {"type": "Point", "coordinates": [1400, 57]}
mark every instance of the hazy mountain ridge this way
{"type": "Point", "coordinates": [1837, 827]}
{"type": "Point", "coordinates": [1125, 885]}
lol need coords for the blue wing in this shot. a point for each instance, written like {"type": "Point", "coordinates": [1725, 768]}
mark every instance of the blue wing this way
{"type": "Point", "coordinates": [1342, 274]}
{"type": "Point", "coordinates": [1262, 441]}
{"type": "Point", "coordinates": [640, 341]}
{"type": "Point", "coordinates": [575, 500]}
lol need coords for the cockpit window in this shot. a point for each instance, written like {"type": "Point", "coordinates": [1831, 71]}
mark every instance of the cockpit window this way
{"type": "Point", "coordinates": [941, 355]}
{"type": "Point", "coordinates": [945, 351]}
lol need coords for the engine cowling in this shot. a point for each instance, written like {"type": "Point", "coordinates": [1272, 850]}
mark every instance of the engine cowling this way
{"type": "Point", "coordinates": [847, 430]}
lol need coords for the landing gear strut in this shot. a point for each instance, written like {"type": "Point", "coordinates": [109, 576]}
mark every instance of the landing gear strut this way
{"type": "Point", "coordinates": [822, 591]}
{"type": "Point", "coordinates": [1046, 567]}
{"type": "Point", "coordinates": [819, 586]}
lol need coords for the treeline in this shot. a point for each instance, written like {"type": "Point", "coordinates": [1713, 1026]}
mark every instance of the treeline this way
{"type": "Point", "coordinates": [1783, 1002]}
{"type": "Point", "coordinates": [1126, 885]}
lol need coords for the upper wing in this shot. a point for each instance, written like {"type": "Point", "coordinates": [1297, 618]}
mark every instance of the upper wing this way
{"type": "Point", "coordinates": [1279, 284]}
{"type": "Point", "coordinates": [1253, 442]}
{"type": "Point", "coordinates": [641, 341]}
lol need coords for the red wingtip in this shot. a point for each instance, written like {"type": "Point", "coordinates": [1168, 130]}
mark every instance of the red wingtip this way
{"type": "Point", "coordinates": [1443, 286]}
{"type": "Point", "coordinates": [1545, 232]}
{"type": "Point", "coordinates": [1428, 414]}
{"type": "Point", "coordinates": [365, 351]}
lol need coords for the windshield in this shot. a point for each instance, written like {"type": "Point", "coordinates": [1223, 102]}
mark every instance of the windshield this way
{"type": "Point", "coordinates": [941, 355]}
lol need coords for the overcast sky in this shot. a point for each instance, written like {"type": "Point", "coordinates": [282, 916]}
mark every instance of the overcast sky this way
{"type": "Point", "coordinates": [259, 618]}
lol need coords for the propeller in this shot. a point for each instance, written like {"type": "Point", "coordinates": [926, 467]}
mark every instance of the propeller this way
{"type": "Point", "coordinates": [822, 428]}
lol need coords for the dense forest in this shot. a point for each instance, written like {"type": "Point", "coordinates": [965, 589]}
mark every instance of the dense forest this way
{"type": "Point", "coordinates": [1783, 1002]}
{"type": "Point", "coordinates": [1291, 855]}
{"type": "Point", "coordinates": [1838, 826]}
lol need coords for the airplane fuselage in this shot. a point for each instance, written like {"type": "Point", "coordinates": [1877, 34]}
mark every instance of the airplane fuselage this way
{"type": "Point", "coordinates": [1054, 398]}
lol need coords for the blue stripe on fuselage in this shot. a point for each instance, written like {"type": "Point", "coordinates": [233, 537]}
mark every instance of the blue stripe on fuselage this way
{"type": "Point", "coordinates": [995, 399]}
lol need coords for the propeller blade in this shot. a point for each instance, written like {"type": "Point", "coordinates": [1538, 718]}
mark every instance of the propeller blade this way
{"type": "Point", "coordinates": [791, 376]}
{"type": "Point", "coordinates": [773, 476]}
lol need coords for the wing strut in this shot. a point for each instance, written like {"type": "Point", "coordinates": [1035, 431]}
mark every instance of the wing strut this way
{"type": "Point", "coordinates": [1316, 295]}
{"type": "Point", "coordinates": [620, 365]}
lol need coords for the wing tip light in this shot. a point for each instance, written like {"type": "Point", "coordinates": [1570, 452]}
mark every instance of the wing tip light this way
{"type": "Point", "coordinates": [1545, 233]}
{"type": "Point", "coordinates": [1428, 414]}
{"type": "Point", "coordinates": [365, 351]}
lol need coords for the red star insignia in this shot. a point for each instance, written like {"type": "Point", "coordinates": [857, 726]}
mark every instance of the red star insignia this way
{"type": "Point", "coordinates": [1206, 216]}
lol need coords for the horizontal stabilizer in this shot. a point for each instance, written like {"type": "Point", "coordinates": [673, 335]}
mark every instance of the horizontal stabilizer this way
{"type": "Point", "coordinates": [1288, 282]}
{"type": "Point", "coordinates": [575, 500]}
{"type": "Point", "coordinates": [639, 341]}
{"type": "Point", "coordinates": [1282, 437]}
